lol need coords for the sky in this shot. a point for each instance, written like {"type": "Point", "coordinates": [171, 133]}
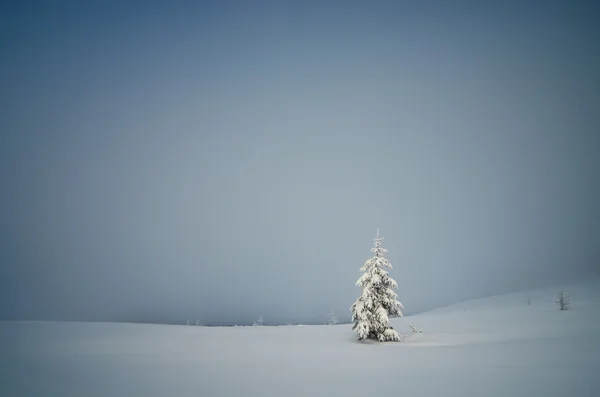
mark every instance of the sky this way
{"type": "Point", "coordinates": [222, 161]}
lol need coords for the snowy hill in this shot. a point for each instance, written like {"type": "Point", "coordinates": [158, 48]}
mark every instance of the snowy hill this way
{"type": "Point", "coordinates": [497, 346]}
{"type": "Point", "coordinates": [508, 317]}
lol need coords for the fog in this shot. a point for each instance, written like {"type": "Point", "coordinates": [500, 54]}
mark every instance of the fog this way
{"type": "Point", "coordinates": [221, 162]}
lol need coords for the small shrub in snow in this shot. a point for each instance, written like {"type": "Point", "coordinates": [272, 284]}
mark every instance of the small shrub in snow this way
{"type": "Point", "coordinates": [259, 322]}
{"type": "Point", "coordinates": [371, 311]}
{"type": "Point", "coordinates": [563, 300]}
{"type": "Point", "coordinates": [333, 320]}
{"type": "Point", "coordinates": [415, 330]}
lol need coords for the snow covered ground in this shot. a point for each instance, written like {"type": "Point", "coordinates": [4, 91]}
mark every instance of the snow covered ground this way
{"type": "Point", "coordinates": [496, 346]}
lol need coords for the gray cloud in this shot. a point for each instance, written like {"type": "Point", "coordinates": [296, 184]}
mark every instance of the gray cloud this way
{"type": "Point", "coordinates": [226, 163]}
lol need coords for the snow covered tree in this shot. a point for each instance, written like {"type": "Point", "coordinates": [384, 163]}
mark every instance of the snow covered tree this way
{"type": "Point", "coordinates": [563, 300]}
{"type": "Point", "coordinates": [333, 320]}
{"type": "Point", "coordinates": [259, 322]}
{"type": "Point", "coordinates": [378, 301]}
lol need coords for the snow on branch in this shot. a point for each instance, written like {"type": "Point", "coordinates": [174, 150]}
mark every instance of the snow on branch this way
{"type": "Point", "coordinates": [378, 302]}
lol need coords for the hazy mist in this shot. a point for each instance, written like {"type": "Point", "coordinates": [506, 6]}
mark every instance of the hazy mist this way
{"type": "Point", "coordinates": [225, 161]}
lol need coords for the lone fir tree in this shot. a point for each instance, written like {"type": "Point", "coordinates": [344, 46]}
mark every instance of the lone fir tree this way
{"type": "Point", "coordinates": [378, 301]}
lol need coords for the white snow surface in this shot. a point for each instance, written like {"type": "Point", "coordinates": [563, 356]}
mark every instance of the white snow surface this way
{"type": "Point", "coordinates": [496, 346]}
